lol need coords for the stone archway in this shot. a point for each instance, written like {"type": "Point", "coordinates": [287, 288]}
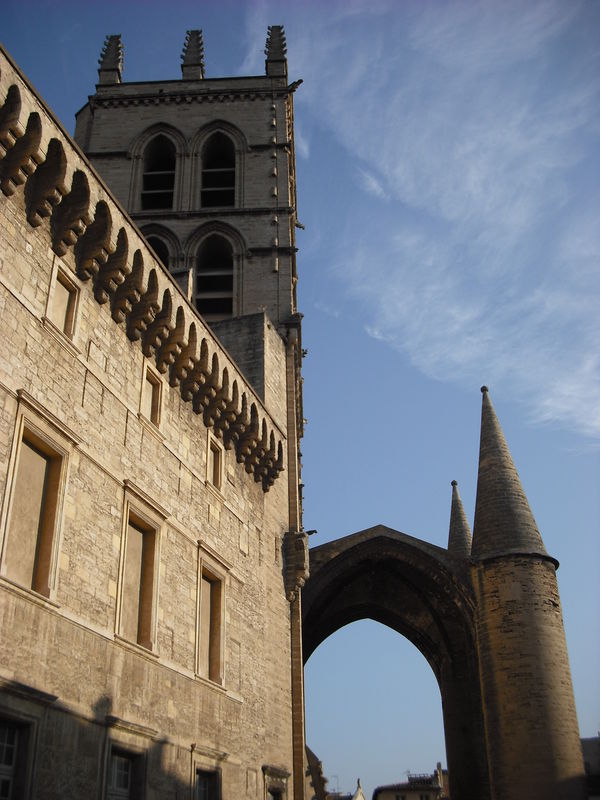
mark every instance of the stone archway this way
{"type": "Point", "coordinates": [420, 591]}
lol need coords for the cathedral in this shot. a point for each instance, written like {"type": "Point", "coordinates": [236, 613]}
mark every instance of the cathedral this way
{"type": "Point", "coordinates": [156, 600]}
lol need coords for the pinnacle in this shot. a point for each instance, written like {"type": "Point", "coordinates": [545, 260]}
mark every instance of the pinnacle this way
{"type": "Point", "coordinates": [459, 536]}
{"type": "Point", "coordinates": [192, 56]}
{"type": "Point", "coordinates": [504, 522]}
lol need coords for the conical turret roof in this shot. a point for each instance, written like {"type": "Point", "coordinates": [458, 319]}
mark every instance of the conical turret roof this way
{"type": "Point", "coordinates": [503, 523]}
{"type": "Point", "coordinates": [459, 535]}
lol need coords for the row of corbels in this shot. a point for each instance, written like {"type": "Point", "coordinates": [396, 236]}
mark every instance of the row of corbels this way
{"type": "Point", "coordinates": [131, 289]}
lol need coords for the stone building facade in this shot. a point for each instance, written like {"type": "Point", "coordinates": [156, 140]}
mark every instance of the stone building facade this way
{"type": "Point", "coordinates": [150, 523]}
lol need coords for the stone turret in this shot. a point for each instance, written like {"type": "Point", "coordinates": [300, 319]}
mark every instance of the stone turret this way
{"type": "Point", "coordinates": [531, 726]}
{"type": "Point", "coordinates": [192, 57]}
{"type": "Point", "coordinates": [111, 60]}
{"type": "Point", "coordinates": [459, 535]}
{"type": "Point", "coordinates": [503, 519]}
{"type": "Point", "coordinates": [275, 51]}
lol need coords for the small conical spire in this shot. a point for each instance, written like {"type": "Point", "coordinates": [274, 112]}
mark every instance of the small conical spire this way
{"type": "Point", "coordinates": [192, 56]}
{"type": "Point", "coordinates": [459, 536]}
{"type": "Point", "coordinates": [503, 523]}
{"type": "Point", "coordinates": [111, 60]}
{"type": "Point", "coordinates": [275, 51]}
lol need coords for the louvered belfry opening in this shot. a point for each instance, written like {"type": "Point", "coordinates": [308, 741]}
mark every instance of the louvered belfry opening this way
{"type": "Point", "coordinates": [218, 171]}
{"type": "Point", "coordinates": [159, 174]}
{"type": "Point", "coordinates": [214, 278]}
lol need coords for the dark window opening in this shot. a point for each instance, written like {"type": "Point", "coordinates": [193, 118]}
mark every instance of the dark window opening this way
{"type": "Point", "coordinates": [207, 785]}
{"type": "Point", "coordinates": [218, 171]}
{"type": "Point", "coordinates": [160, 248]}
{"type": "Point", "coordinates": [159, 174]}
{"type": "Point", "coordinates": [13, 758]}
{"type": "Point", "coordinates": [214, 279]}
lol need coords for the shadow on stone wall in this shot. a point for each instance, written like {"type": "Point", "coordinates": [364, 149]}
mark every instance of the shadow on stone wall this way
{"type": "Point", "coordinates": [64, 756]}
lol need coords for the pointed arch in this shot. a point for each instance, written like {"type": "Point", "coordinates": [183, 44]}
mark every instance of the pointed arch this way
{"type": "Point", "coordinates": [216, 251]}
{"type": "Point", "coordinates": [220, 149]}
{"type": "Point", "coordinates": [157, 173]}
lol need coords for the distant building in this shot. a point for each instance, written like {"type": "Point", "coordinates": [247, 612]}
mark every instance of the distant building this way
{"type": "Point", "coordinates": [417, 787]}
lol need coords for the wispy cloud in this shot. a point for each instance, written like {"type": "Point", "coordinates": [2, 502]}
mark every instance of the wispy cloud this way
{"type": "Point", "coordinates": [484, 119]}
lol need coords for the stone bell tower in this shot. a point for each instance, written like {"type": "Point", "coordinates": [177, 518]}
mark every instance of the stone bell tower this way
{"type": "Point", "coordinates": [206, 168]}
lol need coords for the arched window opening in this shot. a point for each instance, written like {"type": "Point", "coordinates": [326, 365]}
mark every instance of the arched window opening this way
{"type": "Point", "coordinates": [160, 248]}
{"type": "Point", "coordinates": [218, 171]}
{"type": "Point", "coordinates": [214, 279]}
{"type": "Point", "coordinates": [159, 174]}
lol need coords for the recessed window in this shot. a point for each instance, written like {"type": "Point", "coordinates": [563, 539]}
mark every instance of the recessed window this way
{"type": "Point", "coordinates": [214, 467]}
{"type": "Point", "coordinates": [209, 650]}
{"type": "Point", "coordinates": [214, 278]}
{"type": "Point", "coordinates": [125, 780]}
{"type": "Point", "coordinates": [137, 596]}
{"type": "Point", "coordinates": [151, 396]}
{"type": "Point", "coordinates": [63, 303]}
{"type": "Point", "coordinates": [218, 171]}
{"type": "Point", "coordinates": [13, 759]}
{"type": "Point", "coordinates": [158, 180]}
{"type": "Point", "coordinates": [207, 785]}
{"type": "Point", "coordinates": [33, 513]}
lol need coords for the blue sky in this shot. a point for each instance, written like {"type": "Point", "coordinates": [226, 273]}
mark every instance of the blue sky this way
{"type": "Point", "coordinates": [448, 170]}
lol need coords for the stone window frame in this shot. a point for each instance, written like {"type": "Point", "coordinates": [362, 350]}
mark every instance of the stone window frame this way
{"type": "Point", "coordinates": [215, 462]}
{"type": "Point", "coordinates": [197, 144]}
{"type": "Point", "coordinates": [275, 780]}
{"type": "Point", "coordinates": [207, 760]}
{"type": "Point", "coordinates": [148, 516]}
{"type": "Point", "coordinates": [239, 249]}
{"type": "Point", "coordinates": [121, 744]}
{"type": "Point", "coordinates": [151, 378]}
{"type": "Point", "coordinates": [47, 434]}
{"type": "Point", "coordinates": [63, 275]}
{"type": "Point", "coordinates": [214, 570]}
{"type": "Point", "coordinates": [27, 729]}
{"type": "Point", "coordinates": [137, 155]}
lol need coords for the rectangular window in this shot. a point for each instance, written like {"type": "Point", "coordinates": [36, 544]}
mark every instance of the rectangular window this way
{"type": "Point", "coordinates": [33, 514]}
{"type": "Point", "coordinates": [209, 655]}
{"type": "Point", "coordinates": [207, 785]}
{"type": "Point", "coordinates": [61, 310]}
{"type": "Point", "coordinates": [214, 462]}
{"type": "Point", "coordinates": [13, 759]}
{"type": "Point", "coordinates": [151, 391]}
{"type": "Point", "coordinates": [137, 599]}
{"type": "Point", "coordinates": [125, 775]}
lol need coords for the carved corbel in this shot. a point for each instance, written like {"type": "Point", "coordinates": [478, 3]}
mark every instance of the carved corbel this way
{"type": "Point", "coordinates": [129, 292]}
{"type": "Point", "coordinates": [71, 216]}
{"type": "Point", "coordinates": [196, 376]}
{"type": "Point", "coordinates": [10, 130]}
{"type": "Point", "coordinates": [46, 187]}
{"type": "Point", "coordinates": [170, 347]}
{"type": "Point", "coordinates": [238, 425]}
{"type": "Point", "coordinates": [23, 157]}
{"type": "Point", "coordinates": [248, 440]}
{"type": "Point", "coordinates": [93, 247]}
{"type": "Point", "coordinates": [184, 359]}
{"type": "Point", "coordinates": [207, 391]}
{"type": "Point", "coordinates": [230, 413]}
{"type": "Point", "coordinates": [114, 271]}
{"type": "Point", "coordinates": [144, 311]}
{"type": "Point", "coordinates": [158, 329]}
{"type": "Point", "coordinates": [216, 405]}
{"type": "Point", "coordinates": [296, 564]}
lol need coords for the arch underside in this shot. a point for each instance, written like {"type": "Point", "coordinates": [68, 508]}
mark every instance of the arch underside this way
{"type": "Point", "coordinates": [417, 590]}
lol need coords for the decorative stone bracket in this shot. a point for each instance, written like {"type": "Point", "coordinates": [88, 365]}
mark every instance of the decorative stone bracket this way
{"type": "Point", "coordinates": [295, 559]}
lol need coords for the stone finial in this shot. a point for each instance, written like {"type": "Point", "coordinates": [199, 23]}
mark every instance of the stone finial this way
{"type": "Point", "coordinates": [275, 51]}
{"type": "Point", "coordinates": [459, 536]}
{"type": "Point", "coordinates": [192, 57]}
{"type": "Point", "coordinates": [111, 60]}
{"type": "Point", "coordinates": [503, 523]}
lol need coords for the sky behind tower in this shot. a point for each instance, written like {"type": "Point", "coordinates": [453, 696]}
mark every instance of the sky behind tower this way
{"type": "Point", "coordinates": [448, 169]}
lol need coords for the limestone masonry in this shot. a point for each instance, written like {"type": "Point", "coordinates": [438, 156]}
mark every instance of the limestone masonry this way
{"type": "Point", "coordinates": [156, 606]}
